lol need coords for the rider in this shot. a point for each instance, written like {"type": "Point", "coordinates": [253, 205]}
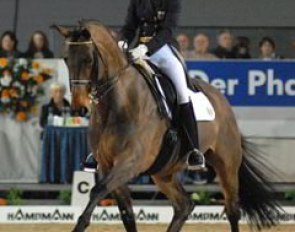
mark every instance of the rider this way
{"type": "Point", "coordinates": [156, 21]}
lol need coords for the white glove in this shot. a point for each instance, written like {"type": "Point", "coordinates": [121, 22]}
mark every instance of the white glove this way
{"type": "Point", "coordinates": [123, 45]}
{"type": "Point", "coordinates": [139, 52]}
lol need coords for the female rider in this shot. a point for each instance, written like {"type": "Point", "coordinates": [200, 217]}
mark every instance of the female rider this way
{"type": "Point", "coordinates": [156, 21]}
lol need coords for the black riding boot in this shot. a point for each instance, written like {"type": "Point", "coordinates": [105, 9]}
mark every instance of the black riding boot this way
{"type": "Point", "coordinates": [90, 164]}
{"type": "Point", "coordinates": [195, 158]}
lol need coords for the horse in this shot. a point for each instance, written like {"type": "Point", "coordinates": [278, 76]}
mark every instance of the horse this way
{"type": "Point", "coordinates": [126, 133]}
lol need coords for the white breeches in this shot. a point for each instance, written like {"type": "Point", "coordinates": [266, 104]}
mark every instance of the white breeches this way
{"type": "Point", "coordinates": [169, 64]}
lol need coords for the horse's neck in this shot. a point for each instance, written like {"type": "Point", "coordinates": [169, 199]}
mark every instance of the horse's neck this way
{"type": "Point", "coordinates": [122, 105]}
{"type": "Point", "coordinates": [102, 38]}
{"type": "Point", "coordinates": [115, 61]}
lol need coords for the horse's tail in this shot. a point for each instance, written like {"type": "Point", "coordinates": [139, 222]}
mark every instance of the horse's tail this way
{"type": "Point", "coordinates": [256, 194]}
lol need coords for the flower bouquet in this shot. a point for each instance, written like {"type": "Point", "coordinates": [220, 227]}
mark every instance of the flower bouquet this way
{"type": "Point", "coordinates": [20, 86]}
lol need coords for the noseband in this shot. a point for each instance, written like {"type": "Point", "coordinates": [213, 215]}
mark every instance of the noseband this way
{"type": "Point", "coordinates": [100, 87]}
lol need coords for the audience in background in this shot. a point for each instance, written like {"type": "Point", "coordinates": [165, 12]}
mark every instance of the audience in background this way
{"type": "Point", "coordinates": [184, 43]}
{"type": "Point", "coordinates": [224, 50]}
{"type": "Point", "coordinates": [242, 48]}
{"type": "Point", "coordinates": [201, 48]}
{"type": "Point", "coordinates": [267, 49]}
{"type": "Point", "coordinates": [8, 46]}
{"type": "Point", "coordinates": [38, 47]}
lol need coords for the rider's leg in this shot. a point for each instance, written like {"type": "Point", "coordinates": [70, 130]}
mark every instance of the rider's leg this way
{"type": "Point", "coordinates": [172, 67]}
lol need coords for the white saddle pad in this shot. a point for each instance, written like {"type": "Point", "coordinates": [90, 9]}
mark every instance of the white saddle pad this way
{"type": "Point", "coordinates": [203, 108]}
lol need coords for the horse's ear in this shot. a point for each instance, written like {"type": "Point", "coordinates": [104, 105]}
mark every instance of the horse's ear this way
{"type": "Point", "coordinates": [64, 31]}
{"type": "Point", "coordinates": [91, 28]}
{"type": "Point", "coordinates": [82, 22]}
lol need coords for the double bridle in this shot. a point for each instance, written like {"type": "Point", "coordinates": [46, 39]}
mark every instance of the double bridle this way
{"type": "Point", "coordinates": [99, 86]}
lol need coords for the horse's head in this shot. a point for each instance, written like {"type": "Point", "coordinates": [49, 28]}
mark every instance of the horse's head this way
{"type": "Point", "coordinates": [80, 54]}
{"type": "Point", "coordinates": [94, 61]}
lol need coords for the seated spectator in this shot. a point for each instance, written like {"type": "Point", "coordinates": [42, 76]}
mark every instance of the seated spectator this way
{"type": "Point", "coordinates": [184, 43]}
{"type": "Point", "coordinates": [242, 48]}
{"type": "Point", "coordinates": [57, 105]}
{"type": "Point", "coordinates": [38, 47]}
{"type": "Point", "coordinates": [8, 46]}
{"type": "Point", "coordinates": [224, 50]}
{"type": "Point", "coordinates": [201, 48]}
{"type": "Point", "coordinates": [268, 49]}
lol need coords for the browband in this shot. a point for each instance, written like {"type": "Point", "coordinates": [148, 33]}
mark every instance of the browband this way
{"type": "Point", "coordinates": [79, 43]}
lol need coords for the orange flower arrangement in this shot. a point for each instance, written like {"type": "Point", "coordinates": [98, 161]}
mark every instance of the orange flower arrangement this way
{"type": "Point", "coordinates": [24, 103]}
{"type": "Point", "coordinates": [20, 86]}
{"type": "Point", "coordinates": [107, 202]}
{"type": "Point", "coordinates": [35, 65]}
{"type": "Point", "coordinates": [3, 62]}
{"type": "Point", "coordinates": [25, 75]}
{"type": "Point", "coordinates": [3, 202]}
{"type": "Point", "coordinates": [39, 79]}
{"type": "Point", "coordinates": [21, 116]}
{"type": "Point", "coordinates": [13, 92]}
{"type": "Point", "coordinates": [47, 71]}
{"type": "Point", "coordinates": [5, 93]}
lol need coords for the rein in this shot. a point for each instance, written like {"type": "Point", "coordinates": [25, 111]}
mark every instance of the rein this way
{"type": "Point", "coordinates": [99, 88]}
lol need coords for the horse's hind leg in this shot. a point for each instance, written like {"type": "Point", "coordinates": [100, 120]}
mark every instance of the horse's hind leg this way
{"type": "Point", "coordinates": [182, 204]}
{"type": "Point", "coordinates": [228, 173]}
{"type": "Point", "coordinates": [123, 198]}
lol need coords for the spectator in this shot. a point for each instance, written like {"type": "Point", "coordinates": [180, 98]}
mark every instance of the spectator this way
{"type": "Point", "coordinates": [242, 48]}
{"type": "Point", "coordinates": [267, 49]}
{"type": "Point", "coordinates": [184, 43]}
{"type": "Point", "coordinates": [57, 103]}
{"type": "Point", "coordinates": [8, 46]}
{"type": "Point", "coordinates": [38, 47]}
{"type": "Point", "coordinates": [201, 48]}
{"type": "Point", "coordinates": [224, 49]}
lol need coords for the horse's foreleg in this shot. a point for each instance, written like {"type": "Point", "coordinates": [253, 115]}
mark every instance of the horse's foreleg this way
{"type": "Point", "coordinates": [182, 204]}
{"type": "Point", "coordinates": [118, 176]}
{"type": "Point", "coordinates": [123, 198]}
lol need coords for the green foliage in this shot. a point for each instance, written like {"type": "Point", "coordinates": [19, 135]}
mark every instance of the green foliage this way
{"type": "Point", "coordinates": [65, 197]}
{"type": "Point", "coordinates": [14, 197]}
{"type": "Point", "coordinates": [201, 198]}
{"type": "Point", "coordinates": [290, 196]}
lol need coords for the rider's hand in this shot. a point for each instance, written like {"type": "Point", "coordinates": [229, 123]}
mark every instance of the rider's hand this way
{"type": "Point", "coordinates": [139, 52]}
{"type": "Point", "coordinates": [123, 45]}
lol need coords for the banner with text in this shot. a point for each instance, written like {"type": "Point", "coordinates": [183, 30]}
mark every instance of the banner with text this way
{"type": "Point", "coordinates": [111, 215]}
{"type": "Point", "coordinates": [250, 83]}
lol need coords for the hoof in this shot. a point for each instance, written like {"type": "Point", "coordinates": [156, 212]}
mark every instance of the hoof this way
{"type": "Point", "coordinates": [76, 229]}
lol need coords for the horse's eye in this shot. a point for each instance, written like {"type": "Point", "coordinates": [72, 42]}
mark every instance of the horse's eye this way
{"type": "Point", "coordinates": [65, 59]}
{"type": "Point", "coordinates": [87, 60]}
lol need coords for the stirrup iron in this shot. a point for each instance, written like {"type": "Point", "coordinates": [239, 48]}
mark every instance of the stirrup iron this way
{"type": "Point", "coordinates": [195, 167]}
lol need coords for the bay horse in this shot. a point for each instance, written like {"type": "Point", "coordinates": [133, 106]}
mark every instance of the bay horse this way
{"type": "Point", "coordinates": [126, 133]}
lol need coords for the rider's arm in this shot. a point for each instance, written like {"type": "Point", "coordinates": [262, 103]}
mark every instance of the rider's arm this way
{"type": "Point", "coordinates": [167, 27]}
{"type": "Point", "coordinates": [131, 23]}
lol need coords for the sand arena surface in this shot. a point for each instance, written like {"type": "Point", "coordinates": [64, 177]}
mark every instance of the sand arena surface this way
{"type": "Point", "coordinates": [141, 228]}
